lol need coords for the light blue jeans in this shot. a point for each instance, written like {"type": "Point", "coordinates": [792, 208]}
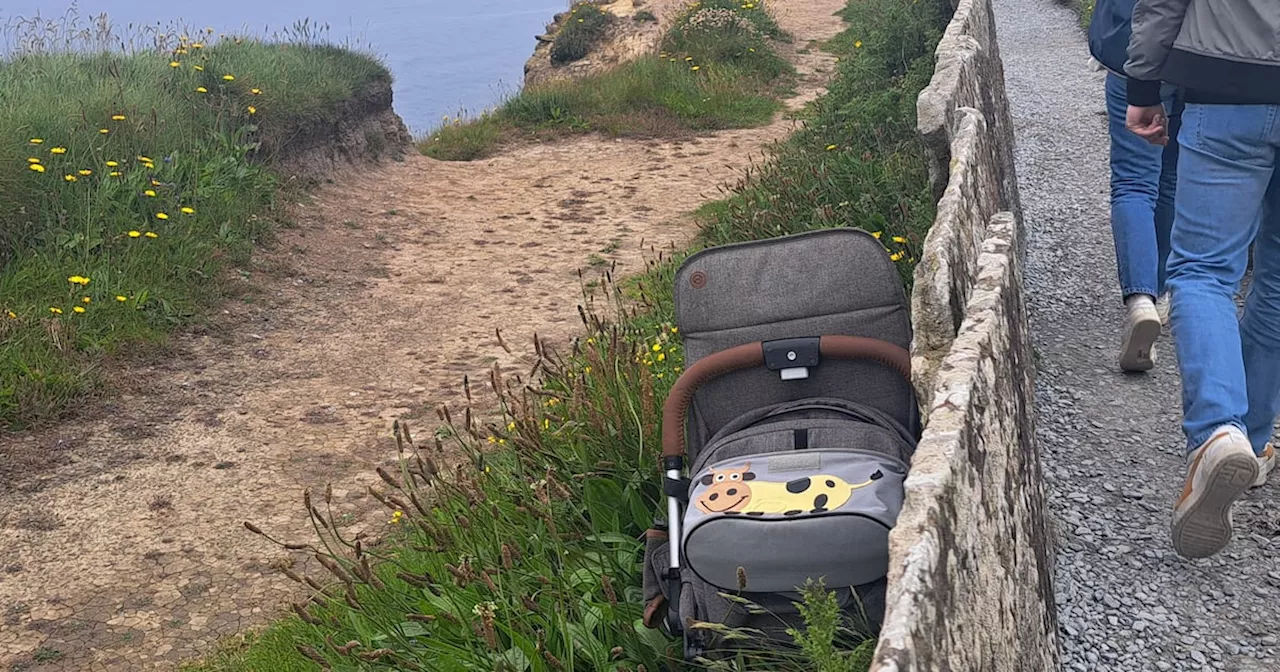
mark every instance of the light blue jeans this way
{"type": "Point", "coordinates": [1143, 180]}
{"type": "Point", "coordinates": [1228, 197]}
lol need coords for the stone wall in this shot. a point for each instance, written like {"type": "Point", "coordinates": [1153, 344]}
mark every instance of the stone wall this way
{"type": "Point", "coordinates": [970, 584]}
{"type": "Point", "coordinates": [968, 79]}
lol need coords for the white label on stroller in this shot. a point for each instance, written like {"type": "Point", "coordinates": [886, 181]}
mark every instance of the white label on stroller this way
{"type": "Point", "coordinates": [784, 463]}
{"type": "Point", "coordinates": [798, 373]}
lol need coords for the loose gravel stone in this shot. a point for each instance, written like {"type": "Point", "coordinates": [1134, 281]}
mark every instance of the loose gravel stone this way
{"type": "Point", "coordinates": [1110, 444]}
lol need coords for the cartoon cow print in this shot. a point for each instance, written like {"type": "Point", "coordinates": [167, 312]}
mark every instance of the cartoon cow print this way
{"type": "Point", "coordinates": [736, 491]}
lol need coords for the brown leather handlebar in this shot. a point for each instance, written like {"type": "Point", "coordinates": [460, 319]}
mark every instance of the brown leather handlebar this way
{"type": "Point", "coordinates": [676, 408]}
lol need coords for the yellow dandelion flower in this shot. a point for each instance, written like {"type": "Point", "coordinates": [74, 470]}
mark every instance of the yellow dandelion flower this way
{"type": "Point", "coordinates": [675, 330]}
{"type": "Point", "coordinates": [117, 117]}
{"type": "Point", "coordinates": [253, 110]}
{"type": "Point", "coordinates": [135, 234]}
{"type": "Point", "coordinates": [149, 166]}
{"type": "Point", "coordinates": [493, 439]}
{"type": "Point", "coordinates": [201, 89]}
{"type": "Point", "coordinates": [55, 310]}
{"type": "Point", "coordinates": [188, 211]}
{"type": "Point", "coordinates": [546, 424]}
{"type": "Point", "coordinates": [36, 141]}
{"type": "Point", "coordinates": [198, 68]}
{"type": "Point", "coordinates": [151, 193]}
{"type": "Point", "coordinates": [175, 64]}
{"type": "Point", "coordinates": [115, 173]}
{"type": "Point", "coordinates": [58, 150]}
{"type": "Point", "coordinates": [662, 357]}
{"type": "Point", "coordinates": [78, 280]}
{"type": "Point", "coordinates": [657, 347]}
{"type": "Point", "coordinates": [12, 315]}
{"type": "Point", "coordinates": [151, 234]}
{"type": "Point", "coordinates": [121, 299]}
{"type": "Point", "coordinates": [36, 167]}
{"type": "Point", "coordinates": [112, 164]}
{"type": "Point", "coordinates": [857, 44]}
{"type": "Point", "coordinates": [143, 159]}
{"type": "Point", "coordinates": [899, 239]}
{"type": "Point", "coordinates": [70, 178]}
{"type": "Point", "coordinates": [831, 147]}
{"type": "Point", "coordinates": [86, 172]}
{"type": "Point", "coordinates": [180, 52]}
{"type": "Point", "coordinates": [586, 371]}
{"type": "Point", "coordinates": [86, 300]}
{"type": "Point", "coordinates": [877, 234]}
{"type": "Point", "coordinates": [896, 256]}
{"type": "Point", "coordinates": [228, 78]}
{"type": "Point", "coordinates": [33, 159]}
{"type": "Point", "coordinates": [104, 131]}
{"type": "Point", "coordinates": [161, 215]}
{"type": "Point", "coordinates": [511, 426]}
{"type": "Point", "coordinates": [197, 45]}
{"type": "Point", "coordinates": [696, 68]}
{"type": "Point", "coordinates": [256, 91]}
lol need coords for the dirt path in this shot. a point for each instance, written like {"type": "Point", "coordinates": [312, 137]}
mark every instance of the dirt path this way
{"type": "Point", "coordinates": [122, 529]}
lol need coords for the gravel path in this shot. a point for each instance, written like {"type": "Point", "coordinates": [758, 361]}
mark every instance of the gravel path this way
{"type": "Point", "coordinates": [1111, 442]}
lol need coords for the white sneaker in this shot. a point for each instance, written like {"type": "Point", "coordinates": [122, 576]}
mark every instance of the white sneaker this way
{"type": "Point", "coordinates": [1141, 329]}
{"type": "Point", "coordinates": [1162, 308]}
{"type": "Point", "coordinates": [1266, 463]}
{"type": "Point", "coordinates": [1220, 472]}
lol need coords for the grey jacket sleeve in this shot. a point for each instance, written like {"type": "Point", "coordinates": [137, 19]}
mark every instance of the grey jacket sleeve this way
{"type": "Point", "coordinates": [1156, 24]}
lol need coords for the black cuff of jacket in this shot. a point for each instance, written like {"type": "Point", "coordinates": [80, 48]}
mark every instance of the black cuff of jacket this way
{"type": "Point", "coordinates": [1143, 93]}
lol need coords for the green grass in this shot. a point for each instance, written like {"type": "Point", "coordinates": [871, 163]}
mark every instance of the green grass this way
{"type": "Point", "coordinates": [527, 556]}
{"type": "Point", "coordinates": [709, 77]}
{"type": "Point", "coordinates": [1084, 8]}
{"type": "Point", "coordinates": [858, 161]}
{"type": "Point", "coordinates": [585, 26]}
{"type": "Point", "coordinates": [152, 181]}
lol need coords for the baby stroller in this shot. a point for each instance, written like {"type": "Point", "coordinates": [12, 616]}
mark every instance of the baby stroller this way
{"type": "Point", "coordinates": [797, 421]}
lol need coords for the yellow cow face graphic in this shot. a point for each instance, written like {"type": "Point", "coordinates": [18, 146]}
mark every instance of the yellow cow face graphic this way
{"type": "Point", "coordinates": [736, 491]}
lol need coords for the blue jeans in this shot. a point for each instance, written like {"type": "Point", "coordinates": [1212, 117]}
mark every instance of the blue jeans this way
{"type": "Point", "coordinates": [1143, 179]}
{"type": "Point", "coordinates": [1228, 197]}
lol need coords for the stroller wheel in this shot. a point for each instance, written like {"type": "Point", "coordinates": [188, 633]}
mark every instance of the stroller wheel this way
{"type": "Point", "coordinates": [692, 649]}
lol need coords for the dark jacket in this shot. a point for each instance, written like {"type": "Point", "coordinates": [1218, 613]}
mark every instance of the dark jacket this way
{"type": "Point", "coordinates": [1220, 51]}
{"type": "Point", "coordinates": [1109, 33]}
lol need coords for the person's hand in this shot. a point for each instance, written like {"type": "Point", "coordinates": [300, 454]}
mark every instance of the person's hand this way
{"type": "Point", "coordinates": [1148, 123]}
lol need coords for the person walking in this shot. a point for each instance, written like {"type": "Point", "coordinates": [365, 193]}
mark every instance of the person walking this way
{"type": "Point", "coordinates": [1143, 181]}
{"type": "Point", "coordinates": [1226, 56]}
